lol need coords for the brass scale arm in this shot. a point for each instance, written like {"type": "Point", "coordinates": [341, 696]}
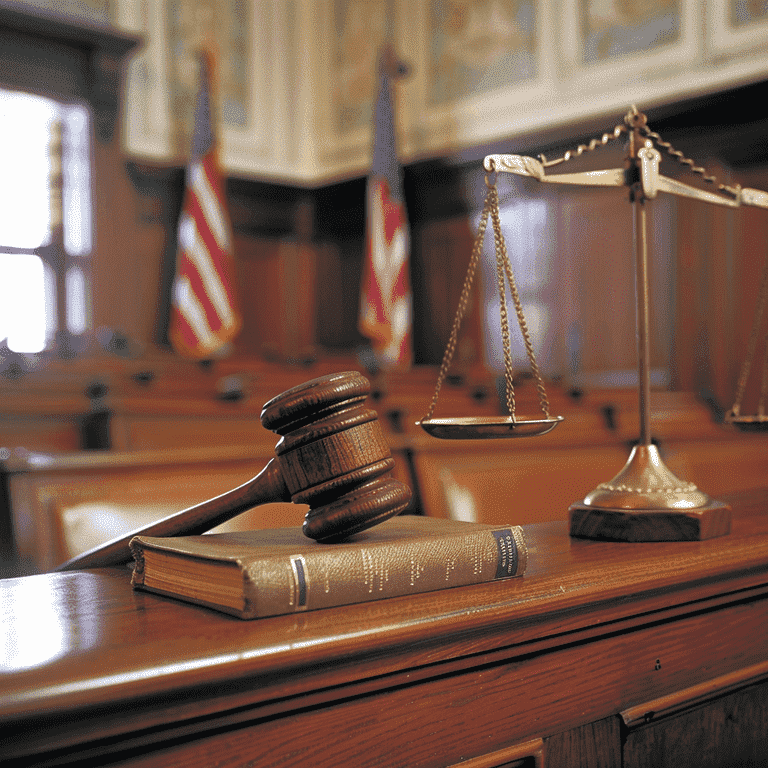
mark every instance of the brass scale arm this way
{"type": "Point", "coordinates": [652, 181]}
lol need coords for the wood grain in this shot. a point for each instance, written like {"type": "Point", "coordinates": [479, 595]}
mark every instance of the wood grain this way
{"type": "Point", "coordinates": [595, 745]}
{"type": "Point", "coordinates": [728, 733]}
{"type": "Point", "coordinates": [634, 525]}
{"type": "Point", "coordinates": [594, 628]}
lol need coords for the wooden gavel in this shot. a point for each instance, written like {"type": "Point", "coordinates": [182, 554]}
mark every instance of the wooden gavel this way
{"type": "Point", "coordinates": [332, 456]}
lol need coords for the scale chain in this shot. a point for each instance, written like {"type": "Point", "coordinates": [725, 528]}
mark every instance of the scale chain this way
{"type": "Point", "coordinates": [691, 164]}
{"type": "Point", "coordinates": [504, 266]}
{"type": "Point", "coordinates": [503, 269]}
{"type": "Point", "coordinates": [500, 249]}
{"type": "Point", "coordinates": [463, 300]}
{"type": "Point", "coordinates": [582, 148]}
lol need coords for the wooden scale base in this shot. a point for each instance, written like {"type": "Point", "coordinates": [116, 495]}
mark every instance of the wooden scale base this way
{"type": "Point", "coordinates": [647, 502]}
{"type": "Point", "coordinates": [650, 524]}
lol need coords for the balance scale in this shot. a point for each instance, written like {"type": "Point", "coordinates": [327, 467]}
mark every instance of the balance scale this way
{"type": "Point", "coordinates": [645, 501]}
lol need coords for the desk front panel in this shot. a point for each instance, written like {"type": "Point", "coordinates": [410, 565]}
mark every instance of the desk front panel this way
{"type": "Point", "coordinates": [448, 718]}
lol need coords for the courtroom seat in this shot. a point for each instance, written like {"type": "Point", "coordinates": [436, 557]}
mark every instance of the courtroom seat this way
{"type": "Point", "coordinates": [61, 505]}
{"type": "Point", "coordinates": [79, 527]}
{"type": "Point", "coordinates": [736, 462]}
{"type": "Point", "coordinates": [533, 480]}
{"type": "Point", "coordinates": [509, 483]}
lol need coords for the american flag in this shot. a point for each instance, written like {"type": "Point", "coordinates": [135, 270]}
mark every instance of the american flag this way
{"type": "Point", "coordinates": [205, 315]}
{"type": "Point", "coordinates": [386, 304]}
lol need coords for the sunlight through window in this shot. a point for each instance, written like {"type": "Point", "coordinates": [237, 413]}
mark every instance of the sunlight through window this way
{"type": "Point", "coordinates": [25, 134]}
{"type": "Point", "coordinates": [45, 218]}
{"type": "Point", "coordinates": [76, 171]}
{"type": "Point", "coordinates": [23, 301]}
{"type": "Point", "coordinates": [529, 246]}
{"type": "Point", "coordinates": [76, 312]}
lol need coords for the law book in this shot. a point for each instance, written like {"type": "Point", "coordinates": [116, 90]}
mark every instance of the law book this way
{"type": "Point", "coordinates": [254, 574]}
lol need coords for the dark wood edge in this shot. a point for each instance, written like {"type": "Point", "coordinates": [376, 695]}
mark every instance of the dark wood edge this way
{"type": "Point", "coordinates": [694, 696]}
{"type": "Point", "coordinates": [528, 749]}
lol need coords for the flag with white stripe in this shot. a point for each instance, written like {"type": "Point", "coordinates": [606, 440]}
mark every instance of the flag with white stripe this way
{"type": "Point", "coordinates": [385, 302]}
{"type": "Point", "coordinates": [204, 308]}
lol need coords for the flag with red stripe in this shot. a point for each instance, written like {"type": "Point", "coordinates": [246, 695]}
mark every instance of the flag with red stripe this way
{"type": "Point", "coordinates": [205, 314]}
{"type": "Point", "coordinates": [386, 303]}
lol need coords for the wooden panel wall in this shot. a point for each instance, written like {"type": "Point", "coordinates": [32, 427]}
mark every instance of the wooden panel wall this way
{"type": "Point", "coordinates": [299, 254]}
{"type": "Point", "coordinates": [301, 292]}
{"type": "Point", "coordinates": [750, 248]}
{"type": "Point", "coordinates": [719, 258]}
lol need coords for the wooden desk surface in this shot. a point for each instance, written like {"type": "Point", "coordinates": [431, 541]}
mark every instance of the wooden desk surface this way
{"type": "Point", "coordinates": [88, 661]}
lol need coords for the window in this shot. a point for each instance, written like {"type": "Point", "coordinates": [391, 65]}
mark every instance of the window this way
{"type": "Point", "coordinates": [45, 223]}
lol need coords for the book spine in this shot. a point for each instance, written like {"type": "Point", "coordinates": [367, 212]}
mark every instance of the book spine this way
{"type": "Point", "coordinates": [328, 576]}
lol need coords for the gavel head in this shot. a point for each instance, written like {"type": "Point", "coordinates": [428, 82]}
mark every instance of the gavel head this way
{"type": "Point", "coordinates": [333, 456]}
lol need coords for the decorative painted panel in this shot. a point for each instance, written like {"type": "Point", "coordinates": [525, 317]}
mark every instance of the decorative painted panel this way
{"type": "Point", "coordinates": [349, 36]}
{"type": "Point", "coordinates": [747, 12]}
{"type": "Point", "coordinates": [244, 36]}
{"type": "Point", "coordinates": [737, 25]}
{"type": "Point", "coordinates": [298, 78]}
{"type": "Point", "coordinates": [614, 42]}
{"type": "Point", "coordinates": [257, 112]}
{"type": "Point", "coordinates": [480, 46]}
{"type": "Point", "coordinates": [358, 31]}
{"type": "Point", "coordinates": [222, 26]}
{"type": "Point", "coordinates": [146, 110]}
{"type": "Point", "coordinates": [613, 30]}
{"type": "Point", "coordinates": [94, 11]}
{"type": "Point", "coordinates": [482, 66]}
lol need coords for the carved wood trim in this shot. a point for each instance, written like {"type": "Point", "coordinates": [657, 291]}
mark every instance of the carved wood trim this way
{"type": "Point", "coordinates": [677, 702]}
{"type": "Point", "coordinates": [533, 749]}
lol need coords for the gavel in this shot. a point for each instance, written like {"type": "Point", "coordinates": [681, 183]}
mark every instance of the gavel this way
{"type": "Point", "coordinates": [332, 455]}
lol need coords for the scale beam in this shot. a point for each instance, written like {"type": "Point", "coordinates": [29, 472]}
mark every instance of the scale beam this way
{"type": "Point", "coordinates": [529, 166]}
{"type": "Point", "coordinates": [652, 181]}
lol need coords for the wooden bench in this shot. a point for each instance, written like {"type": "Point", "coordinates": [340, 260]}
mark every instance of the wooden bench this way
{"type": "Point", "coordinates": [41, 420]}
{"type": "Point", "coordinates": [510, 483]}
{"type": "Point", "coordinates": [531, 480]}
{"type": "Point", "coordinates": [62, 505]}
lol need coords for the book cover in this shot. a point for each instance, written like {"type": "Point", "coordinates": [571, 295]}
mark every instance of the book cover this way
{"type": "Point", "coordinates": [254, 574]}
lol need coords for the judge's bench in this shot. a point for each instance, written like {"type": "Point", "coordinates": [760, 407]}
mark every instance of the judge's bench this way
{"type": "Point", "coordinates": [602, 654]}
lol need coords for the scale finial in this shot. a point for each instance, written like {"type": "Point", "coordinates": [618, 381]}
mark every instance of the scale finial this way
{"type": "Point", "coordinates": [635, 118]}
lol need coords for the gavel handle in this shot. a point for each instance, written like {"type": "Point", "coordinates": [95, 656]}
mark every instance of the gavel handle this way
{"type": "Point", "coordinates": [267, 486]}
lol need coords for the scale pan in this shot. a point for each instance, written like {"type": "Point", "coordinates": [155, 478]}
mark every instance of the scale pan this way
{"type": "Point", "coordinates": [749, 423]}
{"type": "Point", "coordinates": [487, 427]}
